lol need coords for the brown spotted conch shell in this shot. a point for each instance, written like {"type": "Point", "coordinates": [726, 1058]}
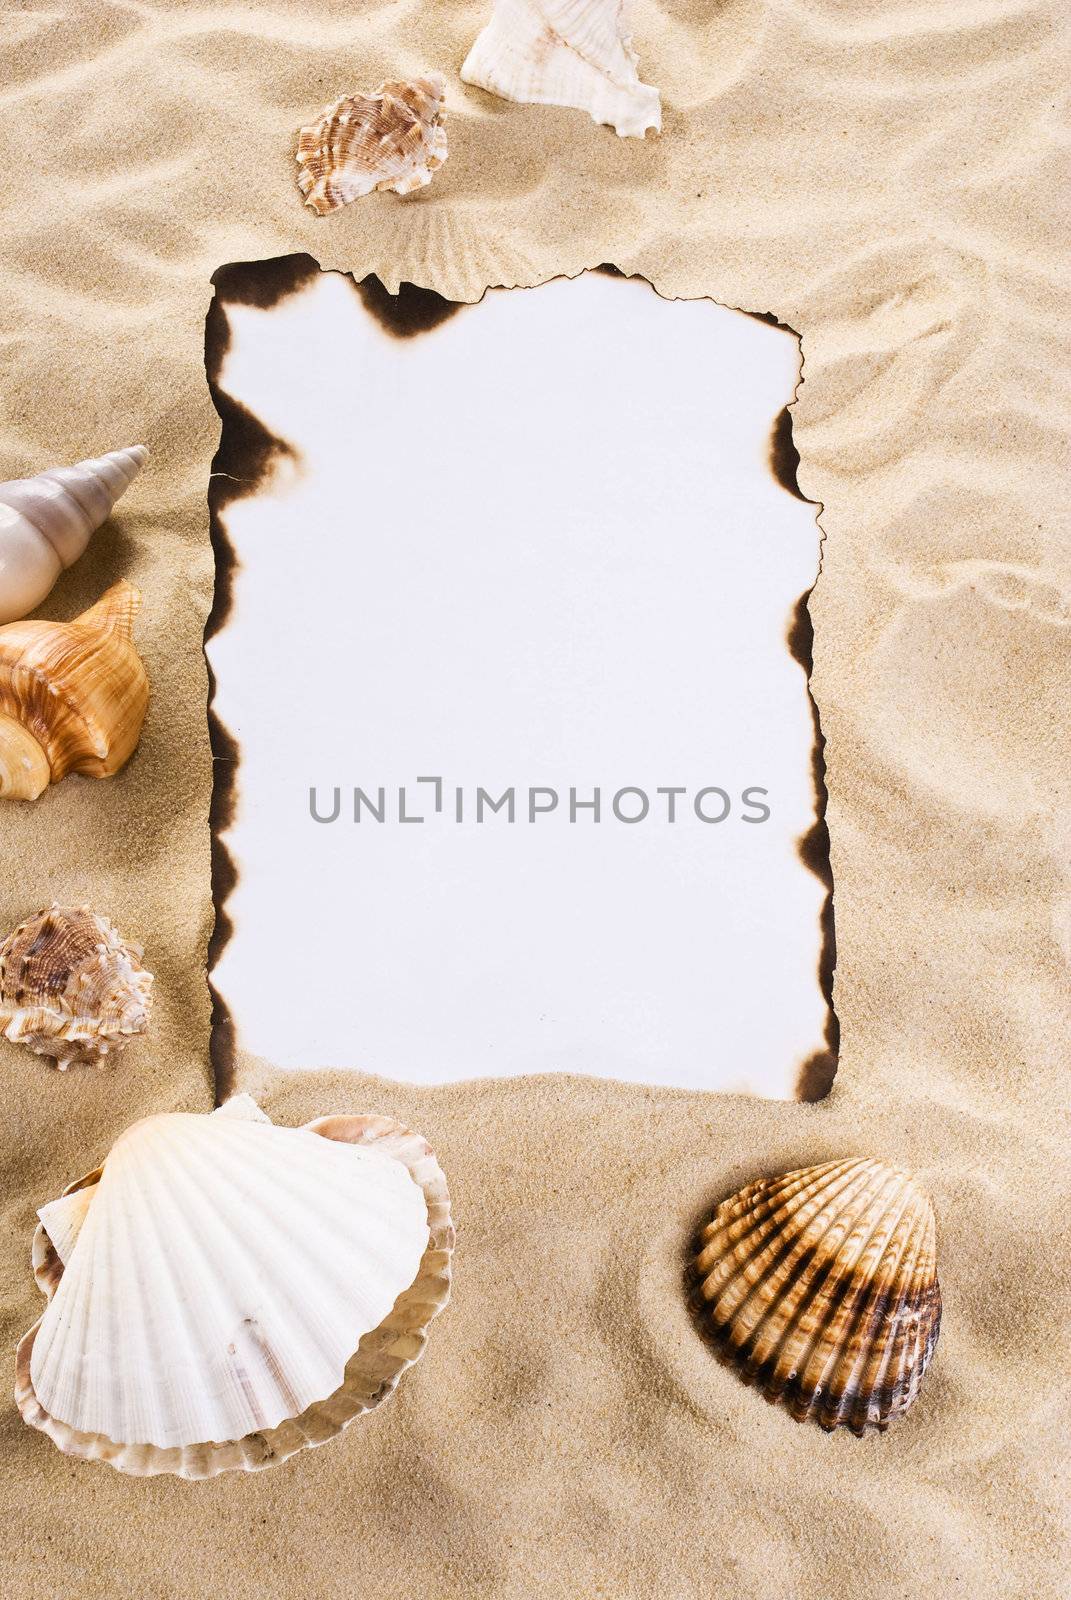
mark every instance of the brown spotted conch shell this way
{"type": "Point", "coordinates": [821, 1288]}
{"type": "Point", "coordinates": [392, 139]}
{"type": "Point", "coordinates": [71, 987]}
{"type": "Point", "coordinates": [46, 523]}
{"type": "Point", "coordinates": [73, 695]}
{"type": "Point", "coordinates": [565, 53]}
{"type": "Point", "coordinates": [223, 1292]}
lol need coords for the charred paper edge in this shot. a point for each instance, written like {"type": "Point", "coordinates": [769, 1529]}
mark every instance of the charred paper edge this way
{"type": "Point", "coordinates": [246, 457]}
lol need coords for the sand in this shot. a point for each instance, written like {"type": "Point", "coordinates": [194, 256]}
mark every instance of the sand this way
{"type": "Point", "coordinates": [888, 183]}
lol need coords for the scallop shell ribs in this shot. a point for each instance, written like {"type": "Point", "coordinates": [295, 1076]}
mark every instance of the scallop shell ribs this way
{"type": "Point", "coordinates": [821, 1288]}
{"type": "Point", "coordinates": [223, 1292]}
{"type": "Point", "coordinates": [393, 139]}
{"type": "Point", "coordinates": [71, 987]}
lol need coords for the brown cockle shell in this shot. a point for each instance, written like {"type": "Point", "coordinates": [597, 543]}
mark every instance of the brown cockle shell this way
{"type": "Point", "coordinates": [71, 987]}
{"type": "Point", "coordinates": [73, 695]}
{"type": "Point", "coordinates": [821, 1287]}
{"type": "Point", "coordinates": [393, 139]}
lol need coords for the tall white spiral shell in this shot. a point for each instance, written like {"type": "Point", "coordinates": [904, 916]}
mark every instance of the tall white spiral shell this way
{"type": "Point", "coordinates": [46, 522]}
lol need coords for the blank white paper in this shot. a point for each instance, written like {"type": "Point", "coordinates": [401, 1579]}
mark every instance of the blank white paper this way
{"type": "Point", "coordinates": [535, 551]}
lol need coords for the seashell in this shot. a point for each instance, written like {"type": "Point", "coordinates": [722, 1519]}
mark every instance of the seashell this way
{"type": "Point", "coordinates": [393, 139]}
{"type": "Point", "coordinates": [61, 1220]}
{"type": "Point", "coordinates": [224, 1292]}
{"type": "Point", "coordinates": [71, 987]}
{"type": "Point", "coordinates": [565, 53]}
{"type": "Point", "coordinates": [821, 1287]}
{"type": "Point", "coordinates": [73, 695]}
{"type": "Point", "coordinates": [46, 522]}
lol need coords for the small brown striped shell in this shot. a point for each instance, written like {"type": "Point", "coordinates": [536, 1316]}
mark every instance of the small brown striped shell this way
{"type": "Point", "coordinates": [71, 987]}
{"type": "Point", "coordinates": [821, 1287]}
{"type": "Point", "coordinates": [393, 139]}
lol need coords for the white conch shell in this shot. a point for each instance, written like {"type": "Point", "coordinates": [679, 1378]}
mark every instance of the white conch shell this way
{"type": "Point", "coordinates": [224, 1292]}
{"type": "Point", "coordinates": [565, 53]}
{"type": "Point", "coordinates": [46, 523]}
{"type": "Point", "coordinates": [392, 139]}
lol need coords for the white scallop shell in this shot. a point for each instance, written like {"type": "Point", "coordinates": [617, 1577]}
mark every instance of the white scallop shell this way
{"type": "Point", "coordinates": [231, 1291]}
{"type": "Point", "coordinates": [46, 523]}
{"type": "Point", "coordinates": [565, 53]}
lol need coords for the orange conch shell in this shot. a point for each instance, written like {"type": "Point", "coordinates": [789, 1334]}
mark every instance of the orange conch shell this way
{"type": "Point", "coordinates": [73, 695]}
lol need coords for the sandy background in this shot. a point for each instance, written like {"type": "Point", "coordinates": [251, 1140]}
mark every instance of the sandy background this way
{"type": "Point", "coordinates": [890, 182]}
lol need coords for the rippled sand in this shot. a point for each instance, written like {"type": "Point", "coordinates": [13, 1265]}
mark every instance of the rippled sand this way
{"type": "Point", "coordinates": [890, 182]}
